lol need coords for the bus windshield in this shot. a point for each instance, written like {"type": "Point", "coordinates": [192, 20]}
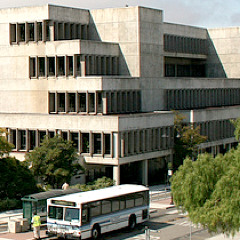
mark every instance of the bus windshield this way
{"type": "Point", "coordinates": [70, 214]}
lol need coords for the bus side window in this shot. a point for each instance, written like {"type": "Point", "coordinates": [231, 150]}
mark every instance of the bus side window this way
{"type": "Point", "coordinates": [85, 214]}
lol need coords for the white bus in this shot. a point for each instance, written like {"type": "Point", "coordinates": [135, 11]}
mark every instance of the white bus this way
{"type": "Point", "coordinates": [89, 214]}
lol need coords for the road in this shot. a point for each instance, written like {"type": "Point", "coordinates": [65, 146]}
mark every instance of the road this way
{"type": "Point", "coordinates": [163, 224]}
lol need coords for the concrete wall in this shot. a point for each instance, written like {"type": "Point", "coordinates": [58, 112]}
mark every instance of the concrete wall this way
{"type": "Point", "coordinates": [224, 52]}
{"type": "Point", "coordinates": [119, 25]}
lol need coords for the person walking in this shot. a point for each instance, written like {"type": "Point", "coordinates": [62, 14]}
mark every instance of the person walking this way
{"type": "Point", "coordinates": [36, 223]}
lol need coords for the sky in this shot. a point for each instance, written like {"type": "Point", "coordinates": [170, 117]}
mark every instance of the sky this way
{"type": "Point", "coordinates": [202, 13]}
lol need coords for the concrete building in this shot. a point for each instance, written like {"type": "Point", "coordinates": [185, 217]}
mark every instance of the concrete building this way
{"type": "Point", "coordinates": [108, 79]}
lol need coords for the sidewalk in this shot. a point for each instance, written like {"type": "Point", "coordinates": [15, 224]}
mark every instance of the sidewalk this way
{"type": "Point", "coordinates": [21, 236]}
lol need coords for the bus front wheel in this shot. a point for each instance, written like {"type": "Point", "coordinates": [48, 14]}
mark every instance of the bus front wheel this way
{"type": "Point", "coordinates": [96, 232]}
{"type": "Point", "coordinates": [132, 222]}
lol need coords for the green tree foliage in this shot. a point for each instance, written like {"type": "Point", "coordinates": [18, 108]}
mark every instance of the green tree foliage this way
{"type": "Point", "coordinates": [208, 189]}
{"type": "Point", "coordinates": [97, 184]}
{"type": "Point", "coordinates": [186, 140]}
{"type": "Point", "coordinates": [5, 146]}
{"type": "Point", "coordinates": [54, 162]}
{"type": "Point", "coordinates": [16, 180]}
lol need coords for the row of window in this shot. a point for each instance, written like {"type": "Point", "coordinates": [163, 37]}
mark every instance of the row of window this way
{"type": "Point", "coordinates": [115, 204]}
{"type": "Point", "coordinates": [26, 32]}
{"type": "Point", "coordinates": [201, 98]}
{"type": "Point", "coordinates": [84, 142]}
{"type": "Point", "coordinates": [40, 31]}
{"type": "Point", "coordinates": [216, 130]}
{"type": "Point", "coordinates": [77, 65]}
{"type": "Point", "coordinates": [173, 43]}
{"type": "Point", "coordinates": [146, 140]}
{"type": "Point", "coordinates": [86, 102]}
{"type": "Point", "coordinates": [185, 70]}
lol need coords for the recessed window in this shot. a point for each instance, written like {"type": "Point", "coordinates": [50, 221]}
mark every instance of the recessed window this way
{"type": "Point", "coordinates": [91, 102]}
{"type": "Point", "coordinates": [97, 141]}
{"type": "Point", "coordinates": [52, 102]}
{"type": "Point", "coordinates": [85, 142]}
{"type": "Point", "coordinates": [70, 65]}
{"type": "Point", "coordinates": [32, 139]}
{"type": "Point", "coordinates": [30, 31]}
{"type": "Point", "coordinates": [82, 102]}
{"type": "Point", "coordinates": [72, 102]}
{"type": "Point", "coordinates": [61, 102]}
{"type": "Point", "coordinates": [39, 31]}
{"type": "Point", "coordinates": [61, 66]}
{"type": "Point", "coordinates": [22, 139]}
{"type": "Point", "coordinates": [107, 143]}
{"type": "Point", "coordinates": [51, 66]}
{"type": "Point", "coordinates": [21, 32]}
{"type": "Point", "coordinates": [13, 33]}
{"type": "Point", "coordinates": [33, 72]}
{"type": "Point", "coordinates": [41, 66]}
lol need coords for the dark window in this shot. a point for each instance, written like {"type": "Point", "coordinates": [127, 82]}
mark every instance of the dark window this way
{"type": "Point", "coordinates": [61, 66]}
{"type": "Point", "coordinates": [21, 32]}
{"type": "Point", "coordinates": [39, 31]}
{"type": "Point", "coordinates": [91, 100]}
{"type": "Point", "coordinates": [13, 137]}
{"type": "Point", "coordinates": [106, 206]}
{"type": "Point", "coordinates": [13, 33]}
{"type": "Point", "coordinates": [99, 103]}
{"type": "Point", "coordinates": [82, 102]}
{"type": "Point", "coordinates": [115, 204]}
{"type": "Point", "coordinates": [95, 209]}
{"type": "Point", "coordinates": [41, 66]}
{"type": "Point", "coordinates": [72, 102]}
{"type": "Point", "coordinates": [74, 139]}
{"type": "Point", "coordinates": [71, 214]}
{"type": "Point", "coordinates": [47, 31]}
{"type": "Point", "coordinates": [31, 31]}
{"type": "Point", "coordinates": [51, 66]}
{"type": "Point", "coordinates": [32, 139]}
{"type": "Point", "coordinates": [55, 213]}
{"type": "Point", "coordinates": [70, 65]}
{"type": "Point", "coordinates": [33, 67]}
{"type": "Point", "coordinates": [52, 103]}
{"type": "Point", "coordinates": [42, 135]}
{"type": "Point", "coordinates": [85, 142]}
{"type": "Point", "coordinates": [97, 143]}
{"type": "Point", "coordinates": [107, 143]}
{"type": "Point", "coordinates": [130, 201]}
{"type": "Point", "coordinates": [85, 214]}
{"type": "Point", "coordinates": [65, 135]}
{"type": "Point", "coordinates": [22, 135]}
{"type": "Point", "coordinates": [61, 102]}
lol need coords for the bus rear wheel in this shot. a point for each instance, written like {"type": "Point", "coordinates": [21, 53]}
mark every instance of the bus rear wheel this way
{"type": "Point", "coordinates": [132, 222]}
{"type": "Point", "coordinates": [96, 232]}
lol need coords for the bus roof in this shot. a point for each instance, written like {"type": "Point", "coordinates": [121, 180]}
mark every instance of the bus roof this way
{"type": "Point", "coordinates": [99, 194]}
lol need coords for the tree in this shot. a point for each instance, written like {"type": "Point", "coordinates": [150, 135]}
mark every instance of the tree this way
{"type": "Point", "coordinates": [54, 162]}
{"type": "Point", "coordinates": [16, 180]}
{"type": "Point", "coordinates": [186, 139]}
{"type": "Point", "coordinates": [208, 189]}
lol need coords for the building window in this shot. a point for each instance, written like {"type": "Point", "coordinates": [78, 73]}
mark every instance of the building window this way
{"type": "Point", "coordinates": [91, 102]}
{"type": "Point", "coordinates": [70, 65]}
{"type": "Point", "coordinates": [65, 135]}
{"type": "Point", "coordinates": [47, 31]}
{"type": "Point", "coordinates": [31, 30]}
{"type": "Point", "coordinates": [51, 134]}
{"type": "Point", "coordinates": [39, 31]}
{"type": "Point", "coordinates": [13, 33]}
{"type": "Point", "coordinates": [61, 66]}
{"type": "Point", "coordinates": [99, 102]}
{"type": "Point", "coordinates": [52, 102]}
{"type": "Point", "coordinates": [41, 66]}
{"type": "Point", "coordinates": [33, 72]}
{"type": "Point", "coordinates": [72, 102]}
{"type": "Point", "coordinates": [61, 102]}
{"type": "Point", "coordinates": [97, 143]}
{"type": "Point", "coordinates": [107, 144]}
{"type": "Point", "coordinates": [82, 102]}
{"type": "Point", "coordinates": [32, 139]}
{"type": "Point", "coordinates": [13, 137]}
{"type": "Point", "coordinates": [21, 32]}
{"type": "Point", "coordinates": [41, 135]}
{"type": "Point", "coordinates": [22, 139]}
{"type": "Point", "coordinates": [51, 66]}
{"type": "Point", "coordinates": [85, 142]}
{"type": "Point", "coordinates": [75, 139]}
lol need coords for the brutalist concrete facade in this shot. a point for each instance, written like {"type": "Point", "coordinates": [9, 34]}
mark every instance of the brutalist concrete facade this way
{"type": "Point", "coordinates": [108, 79]}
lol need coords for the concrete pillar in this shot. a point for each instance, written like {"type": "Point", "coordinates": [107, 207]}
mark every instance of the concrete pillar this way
{"type": "Point", "coordinates": [145, 172]}
{"type": "Point", "coordinates": [83, 66]}
{"type": "Point", "coordinates": [116, 174]}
